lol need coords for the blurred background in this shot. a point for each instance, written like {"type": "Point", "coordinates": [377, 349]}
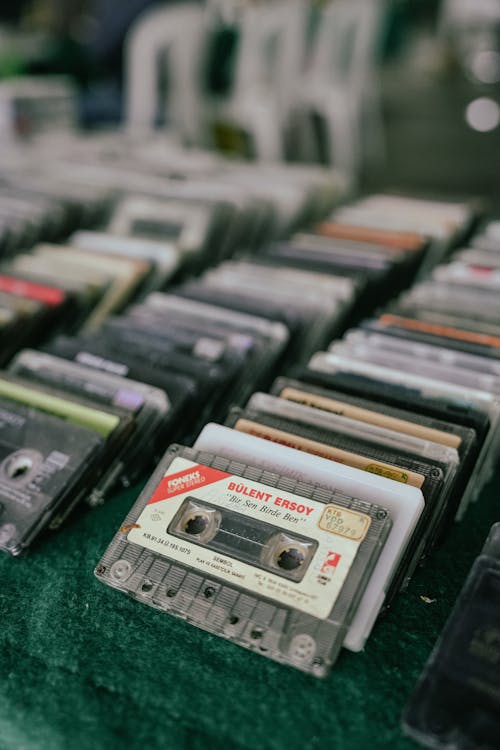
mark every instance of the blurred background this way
{"type": "Point", "coordinates": [399, 93]}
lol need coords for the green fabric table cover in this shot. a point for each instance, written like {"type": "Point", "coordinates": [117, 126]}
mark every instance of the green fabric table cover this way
{"type": "Point", "coordinates": [83, 667]}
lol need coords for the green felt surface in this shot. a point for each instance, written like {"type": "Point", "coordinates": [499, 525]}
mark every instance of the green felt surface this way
{"type": "Point", "coordinates": [84, 667]}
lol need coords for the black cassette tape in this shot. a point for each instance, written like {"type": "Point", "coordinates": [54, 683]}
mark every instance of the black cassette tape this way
{"type": "Point", "coordinates": [93, 352]}
{"type": "Point", "coordinates": [44, 470]}
{"type": "Point", "coordinates": [148, 407]}
{"type": "Point", "coordinates": [294, 319]}
{"type": "Point", "coordinates": [457, 700]}
{"type": "Point", "coordinates": [464, 439]}
{"type": "Point", "coordinates": [268, 562]}
{"type": "Point", "coordinates": [399, 396]}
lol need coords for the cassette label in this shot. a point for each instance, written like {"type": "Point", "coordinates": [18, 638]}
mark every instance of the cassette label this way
{"type": "Point", "coordinates": [345, 409]}
{"type": "Point", "coordinates": [436, 329]}
{"type": "Point", "coordinates": [330, 452]}
{"type": "Point", "coordinates": [51, 296]}
{"type": "Point", "coordinates": [292, 549]}
{"type": "Point", "coordinates": [103, 423]}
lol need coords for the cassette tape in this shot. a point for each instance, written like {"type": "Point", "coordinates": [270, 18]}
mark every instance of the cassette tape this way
{"type": "Point", "coordinates": [471, 342]}
{"type": "Point", "coordinates": [172, 305]}
{"type": "Point", "coordinates": [143, 355]}
{"type": "Point", "coordinates": [458, 299]}
{"type": "Point", "coordinates": [371, 458]}
{"type": "Point", "coordinates": [189, 226]}
{"type": "Point", "coordinates": [44, 470]}
{"type": "Point", "coordinates": [381, 435]}
{"type": "Point", "coordinates": [213, 347]}
{"type": "Point", "coordinates": [84, 289]}
{"type": "Point", "coordinates": [457, 325]}
{"type": "Point", "coordinates": [487, 277]}
{"type": "Point", "coordinates": [432, 352]}
{"type": "Point", "coordinates": [462, 439]}
{"type": "Point", "coordinates": [217, 380]}
{"type": "Point", "coordinates": [408, 241]}
{"type": "Point", "coordinates": [357, 349]}
{"type": "Point", "coordinates": [163, 255]}
{"type": "Point", "coordinates": [273, 336]}
{"type": "Point", "coordinates": [487, 239]}
{"type": "Point", "coordinates": [49, 295]}
{"type": "Point", "coordinates": [212, 342]}
{"type": "Point", "coordinates": [317, 317]}
{"type": "Point", "coordinates": [457, 700]}
{"type": "Point", "coordinates": [465, 403]}
{"type": "Point", "coordinates": [126, 275]}
{"type": "Point", "coordinates": [356, 383]}
{"type": "Point", "coordinates": [368, 273]}
{"type": "Point", "coordinates": [337, 287]}
{"type": "Point", "coordinates": [365, 410]}
{"type": "Point", "coordinates": [475, 257]}
{"type": "Point", "coordinates": [245, 304]}
{"type": "Point", "coordinates": [405, 505]}
{"type": "Point", "coordinates": [93, 352]}
{"type": "Point", "coordinates": [271, 563]}
{"type": "Point", "coordinates": [149, 407]}
{"type": "Point", "coordinates": [316, 311]}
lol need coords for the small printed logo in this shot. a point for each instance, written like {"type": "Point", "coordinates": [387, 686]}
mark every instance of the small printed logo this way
{"type": "Point", "coordinates": [187, 480]}
{"type": "Point", "coordinates": [328, 567]}
{"type": "Point", "coordinates": [190, 479]}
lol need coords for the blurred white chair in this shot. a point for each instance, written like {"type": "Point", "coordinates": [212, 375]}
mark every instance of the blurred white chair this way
{"type": "Point", "coordinates": [172, 36]}
{"type": "Point", "coordinates": [463, 13]}
{"type": "Point", "coordinates": [339, 92]}
{"type": "Point", "coordinates": [471, 27]}
{"type": "Point", "coordinates": [269, 61]}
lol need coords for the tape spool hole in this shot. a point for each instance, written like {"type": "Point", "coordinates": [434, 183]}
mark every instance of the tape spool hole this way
{"type": "Point", "coordinates": [290, 559]}
{"type": "Point", "coordinates": [196, 525]}
{"type": "Point", "coordinates": [18, 467]}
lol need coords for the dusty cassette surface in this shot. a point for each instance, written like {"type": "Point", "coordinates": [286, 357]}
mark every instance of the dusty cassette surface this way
{"type": "Point", "coordinates": [44, 466]}
{"type": "Point", "coordinates": [269, 562]}
{"type": "Point", "coordinates": [456, 703]}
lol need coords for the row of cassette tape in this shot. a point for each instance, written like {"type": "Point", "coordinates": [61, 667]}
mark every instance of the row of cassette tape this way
{"type": "Point", "coordinates": [288, 529]}
{"type": "Point", "coordinates": [291, 527]}
{"type": "Point", "coordinates": [166, 213]}
{"type": "Point", "coordinates": [75, 430]}
{"type": "Point", "coordinates": [292, 549]}
{"type": "Point", "coordinates": [124, 387]}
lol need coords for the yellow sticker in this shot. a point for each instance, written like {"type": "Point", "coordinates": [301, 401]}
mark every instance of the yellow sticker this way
{"type": "Point", "coordinates": [383, 471]}
{"type": "Point", "coordinates": [345, 523]}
